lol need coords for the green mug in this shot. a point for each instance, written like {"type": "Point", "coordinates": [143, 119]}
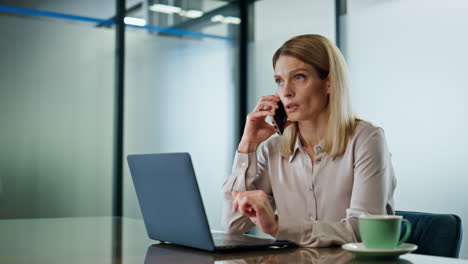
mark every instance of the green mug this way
{"type": "Point", "coordinates": [382, 231]}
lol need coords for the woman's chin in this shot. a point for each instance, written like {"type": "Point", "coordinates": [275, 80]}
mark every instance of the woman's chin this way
{"type": "Point", "coordinates": [293, 117]}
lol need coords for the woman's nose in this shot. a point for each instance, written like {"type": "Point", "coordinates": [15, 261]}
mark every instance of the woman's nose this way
{"type": "Point", "coordinates": [288, 90]}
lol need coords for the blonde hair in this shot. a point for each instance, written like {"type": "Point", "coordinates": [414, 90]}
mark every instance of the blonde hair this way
{"type": "Point", "coordinates": [327, 60]}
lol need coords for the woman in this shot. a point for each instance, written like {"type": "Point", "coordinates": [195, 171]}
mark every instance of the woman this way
{"type": "Point", "coordinates": [325, 170]}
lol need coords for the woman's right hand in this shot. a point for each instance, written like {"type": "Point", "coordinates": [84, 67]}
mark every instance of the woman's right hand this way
{"type": "Point", "coordinates": [256, 128]}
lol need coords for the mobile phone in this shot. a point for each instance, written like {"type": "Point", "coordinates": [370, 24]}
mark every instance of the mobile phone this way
{"type": "Point", "coordinates": [280, 118]}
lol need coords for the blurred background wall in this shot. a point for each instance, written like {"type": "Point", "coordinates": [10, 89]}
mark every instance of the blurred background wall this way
{"type": "Point", "coordinates": [408, 63]}
{"type": "Point", "coordinates": [56, 100]}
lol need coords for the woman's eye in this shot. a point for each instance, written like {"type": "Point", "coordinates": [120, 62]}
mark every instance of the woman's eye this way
{"type": "Point", "coordinates": [278, 81]}
{"type": "Point", "coordinates": [300, 77]}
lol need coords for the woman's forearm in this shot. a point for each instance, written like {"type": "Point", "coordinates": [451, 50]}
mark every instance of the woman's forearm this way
{"type": "Point", "coordinates": [247, 147]}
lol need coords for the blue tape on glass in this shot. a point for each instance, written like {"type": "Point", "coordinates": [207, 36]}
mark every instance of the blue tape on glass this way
{"type": "Point", "coordinates": [33, 12]}
{"type": "Point", "coordinates": [173, 31]}
{"type": "Point", "coordinates": [176, 31]}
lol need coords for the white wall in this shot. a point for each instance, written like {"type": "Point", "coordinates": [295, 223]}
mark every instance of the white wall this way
{"type": "Point", "coordinates": [179, 98]}
{"type": "Point", "coordinates": [409, 62]}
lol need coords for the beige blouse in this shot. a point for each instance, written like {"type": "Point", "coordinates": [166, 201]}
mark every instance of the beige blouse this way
{"type": "Point", "coordinates": [317, 204]}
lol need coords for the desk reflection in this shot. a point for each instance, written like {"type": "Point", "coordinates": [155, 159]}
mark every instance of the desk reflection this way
{"type": "Point", "coordinates": [164, 253]}
{"type": "Point", "coordinates": [373, 261]}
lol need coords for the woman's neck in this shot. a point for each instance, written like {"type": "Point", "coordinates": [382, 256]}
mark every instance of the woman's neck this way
{"type": "Point", "coordinates": [313, 131]}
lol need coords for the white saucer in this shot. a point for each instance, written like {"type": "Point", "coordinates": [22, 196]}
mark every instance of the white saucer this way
{"type": "Point", "coordinates": [359, 249]}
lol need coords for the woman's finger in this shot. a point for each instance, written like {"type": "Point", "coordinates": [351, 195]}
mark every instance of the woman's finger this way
{"type": "Point", "coordinates": [245, 205]}
{"type": "Point", "coordinates": [271, 97]}
{"type": "Point", "coordinates": [255, 115]}
{"type": "Point", "coordinates": [267, 102]}
{"type": "Point", "coordinates": [247, 210]}
{"type": "Point", "coordinates": [242, 208]}
{"type": "Point", "coordinates": [266, 106]}
{"type": "Point", "coordinates": [234, 202]}
{"type": "Point", "coordinates": [254, 220]}
{"type": "Point", "coordinates": [235, 206]}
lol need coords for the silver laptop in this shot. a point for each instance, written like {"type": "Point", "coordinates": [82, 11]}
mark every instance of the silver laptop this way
{"type": "Point", "coordinates": [172, 206]}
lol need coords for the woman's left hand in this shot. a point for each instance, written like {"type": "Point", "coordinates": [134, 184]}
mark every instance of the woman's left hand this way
{"type": "Point", "coordinates": [256, 206]}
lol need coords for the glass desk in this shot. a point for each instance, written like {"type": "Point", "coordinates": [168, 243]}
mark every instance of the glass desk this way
{"type": "Point", "coordinates": [124, 240]}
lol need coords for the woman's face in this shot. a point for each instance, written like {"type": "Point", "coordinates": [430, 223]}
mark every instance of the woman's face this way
{"type": "Point", "coordinates": [303, 93]}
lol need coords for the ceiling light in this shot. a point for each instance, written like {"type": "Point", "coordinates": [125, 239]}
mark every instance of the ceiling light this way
{"type": "Point", "coordinates": [191, 13]}
{"type": "Point", "coordinates": [217, 18]}
{"type": "Point", "coordinates": [134, 21]}
{"type": "Point", "coordinates": [226, 20]}
{"type": "Point", "coordinates": [232, 20]}
{"type": "Point", "coordinates": [165, 9]}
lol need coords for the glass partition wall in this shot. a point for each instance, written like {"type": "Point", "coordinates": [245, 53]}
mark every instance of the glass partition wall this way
{"type": "Point", "coordinates": [57, 100]}
{"type": "Point", "coordinates": [180, 91]}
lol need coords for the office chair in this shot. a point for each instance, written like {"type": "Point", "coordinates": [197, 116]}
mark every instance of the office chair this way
{"type": "Point", "coordinates": [435, 234]}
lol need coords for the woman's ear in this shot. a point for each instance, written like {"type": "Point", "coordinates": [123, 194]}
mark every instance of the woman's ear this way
{"type": "Point", "coordinates": [327, 85]}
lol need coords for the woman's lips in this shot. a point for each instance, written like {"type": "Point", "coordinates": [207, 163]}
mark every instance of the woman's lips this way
{"type": "Point", "coordinates": [291, 107]}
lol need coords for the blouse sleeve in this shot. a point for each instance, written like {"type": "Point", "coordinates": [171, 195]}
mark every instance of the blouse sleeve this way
{"type": "Point", "coordinates": [372, 190]}
{"type": "Point", "coordinates": [249, 172]}
{"type": "Point", "coordinates": [374, 179]}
